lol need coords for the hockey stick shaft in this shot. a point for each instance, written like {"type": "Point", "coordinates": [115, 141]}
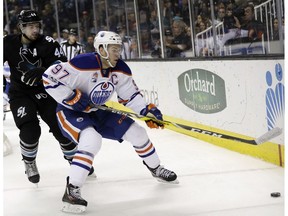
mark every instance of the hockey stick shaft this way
{"type": "Point", "coordinates": [264, 138]}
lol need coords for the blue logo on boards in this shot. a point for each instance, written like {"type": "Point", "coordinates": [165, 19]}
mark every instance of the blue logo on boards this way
{"type": "Point", "coordinates": [275, 104]}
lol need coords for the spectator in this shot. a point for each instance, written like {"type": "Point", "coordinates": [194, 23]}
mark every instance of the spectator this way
{"type": "Point", "coordinates": [167, 14]}
{"type": "Point", "coordinates": [230, 21]}
{"type": "Point", "coordinates": [126, 40]}
{"type": "Point", "coordinates": [13, 14]}
{"type": "Point", "coordinates": [82, 39]}
{"type": "Point", "coordinates": [276, 33]}
{"type": "Point", "coordinates": [231, 26]}
{"type": "Point", "coordinates": [89, 48]}
{"type": "Point", "coordinates": [202, 19]}
{"type": "Point", "coordinates": [65, 34]}
{"type": "Point", "coordinates": [154, 21]}
{"type": "Point", "coordinates": [202, 26]}
{"type": "Point", "coordinates": [220, 15]}
{"type": "Point", "coordinates": [180, 41]}
{"type": "Point", "coordinates": [56, 37]}
{"type": "Point", "coordinates": [199, 19]}
{"type": "Point", "coordinates": [254, 29]}
{"type": "Point", "coordinates": [86, 23]}
{"type": "Point", "coordinates": [49, 23]}
{"type": "Point", "coordinates": [184, 11]}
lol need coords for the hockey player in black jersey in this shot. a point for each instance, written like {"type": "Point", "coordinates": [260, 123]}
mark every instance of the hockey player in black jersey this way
{"type": "Point", "coordinates": [28, 55]}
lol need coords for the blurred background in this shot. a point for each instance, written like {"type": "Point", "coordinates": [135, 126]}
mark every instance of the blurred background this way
{"type": "Point", "coordinates": [164, 28]}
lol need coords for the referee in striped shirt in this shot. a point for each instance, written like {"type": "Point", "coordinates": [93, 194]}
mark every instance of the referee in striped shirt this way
{"type": "Point", "coordinates": [70, 46]}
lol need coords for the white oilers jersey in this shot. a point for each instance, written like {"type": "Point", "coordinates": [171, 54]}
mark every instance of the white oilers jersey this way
{"type": "Point", "coordinates": [85, 73]}
{"type": "Point", "coordinates": [6, 71]}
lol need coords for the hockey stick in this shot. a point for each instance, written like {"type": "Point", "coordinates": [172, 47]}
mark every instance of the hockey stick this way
{"type": "Point", "coordinates": [262, 139]}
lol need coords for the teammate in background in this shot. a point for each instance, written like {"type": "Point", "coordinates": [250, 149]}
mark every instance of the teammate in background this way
{"type": "Point", "coordinates": [28, 55]}
{"type": "Point", "coordinates": [71, 46]}
{"type": "Point", "coordinates": [80, 85]}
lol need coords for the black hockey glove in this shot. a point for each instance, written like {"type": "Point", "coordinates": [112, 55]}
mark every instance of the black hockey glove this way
{"type": "Point", "coordinates": [33, 76]}
{"type": "Point", "coordinates": [152, 111]}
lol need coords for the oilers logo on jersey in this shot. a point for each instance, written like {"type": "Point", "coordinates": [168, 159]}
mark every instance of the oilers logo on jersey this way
{"type": "Point", "coordinates": [102, 92]}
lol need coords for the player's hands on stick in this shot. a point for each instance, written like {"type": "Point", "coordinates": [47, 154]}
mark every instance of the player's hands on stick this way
{"type": "Point", "coordinates": [78, 101]}
{"type": "Point", "coordinates": [152, 111]}
{"type": "Point", "coordinates": [33, 76]}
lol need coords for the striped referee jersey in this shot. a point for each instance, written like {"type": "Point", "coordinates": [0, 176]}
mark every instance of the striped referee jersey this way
{"type": "Point", "coordinates": [72, 50]}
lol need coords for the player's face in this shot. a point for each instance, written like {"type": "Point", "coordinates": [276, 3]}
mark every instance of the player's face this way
{"type": "Point", "coordinates": [114, 51]}
{"type": "Point", "coordinates": [32, 30]}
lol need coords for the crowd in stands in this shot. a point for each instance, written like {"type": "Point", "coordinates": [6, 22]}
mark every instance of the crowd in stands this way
{"type": "Point", "coordinates": [177, 25]}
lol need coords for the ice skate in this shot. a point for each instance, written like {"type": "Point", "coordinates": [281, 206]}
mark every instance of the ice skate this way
{"type": "Point", "coordinates": [163, 175]}
{"type": "Point", "coordinates": [32, 171]}
{"type": "Point", "coordinates": [92, 173]}
{"type": "Point", "coordinates": [72, 200]}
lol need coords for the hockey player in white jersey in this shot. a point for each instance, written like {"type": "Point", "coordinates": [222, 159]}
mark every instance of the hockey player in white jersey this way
{"type": "Point", "coordinates": [79, 86]}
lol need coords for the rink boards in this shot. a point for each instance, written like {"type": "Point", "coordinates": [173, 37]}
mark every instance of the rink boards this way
{"type": "Point", "coordinates": [242, 98]}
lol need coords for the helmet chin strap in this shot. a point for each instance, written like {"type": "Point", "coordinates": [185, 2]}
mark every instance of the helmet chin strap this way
{"type": "Point", "coordinates": [25, 36]}
{"type": "Point", "coordinates": [109, 62]}
{"type": "Point", "coordinates": [107, 58]}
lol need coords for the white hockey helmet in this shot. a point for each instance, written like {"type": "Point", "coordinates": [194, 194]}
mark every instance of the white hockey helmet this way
{"type": "Point", "coordinates": [105, 38]}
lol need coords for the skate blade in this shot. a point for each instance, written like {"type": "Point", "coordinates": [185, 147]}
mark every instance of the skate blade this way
{"type": "Point", "coordinates": [75, 209]}
{"type": "Point", "coordinates": [93, 175]}
{"type": "Point", "coordinates": [168, 182]}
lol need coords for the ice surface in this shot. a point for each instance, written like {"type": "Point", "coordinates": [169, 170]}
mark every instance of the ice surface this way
{"type": "Point", "coordinates": [213, 181]}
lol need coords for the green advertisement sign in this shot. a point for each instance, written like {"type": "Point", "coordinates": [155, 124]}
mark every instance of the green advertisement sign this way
{"type": "Point", "coordinates": [202, 91]}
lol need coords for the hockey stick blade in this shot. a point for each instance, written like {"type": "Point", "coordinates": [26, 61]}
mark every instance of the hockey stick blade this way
{"type": "Point", "coordinates": [269, 135]}
{"type": "Point", "coordinates": [264, 138]}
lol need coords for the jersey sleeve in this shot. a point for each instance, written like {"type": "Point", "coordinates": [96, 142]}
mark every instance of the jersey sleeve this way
{"type": "Point", "coordinates": [55, 86]}
{"type": "Point", "coordinates": [52, 52]}
{"type": "Point", "coordinates": [128, 92]}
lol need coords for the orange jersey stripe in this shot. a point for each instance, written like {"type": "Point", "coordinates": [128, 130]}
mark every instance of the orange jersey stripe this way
{"type": "Point", "coordinates": [72, 132]}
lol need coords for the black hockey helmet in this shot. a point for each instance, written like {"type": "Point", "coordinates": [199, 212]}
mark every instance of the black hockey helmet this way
{"type": "Point", "coordinates": [28, 16]}
{"type": "Point", "coordinates": [73, 32]}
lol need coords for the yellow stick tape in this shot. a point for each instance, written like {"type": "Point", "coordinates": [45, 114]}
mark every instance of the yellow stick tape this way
{"type": "Point", "coordinates": [270, 152]}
